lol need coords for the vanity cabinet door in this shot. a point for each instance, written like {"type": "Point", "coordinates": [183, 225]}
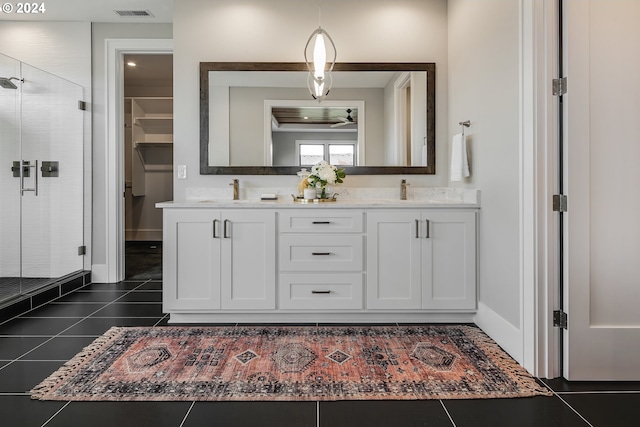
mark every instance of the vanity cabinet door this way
{"type": "Point", "coordinates": [449, 260]}
{"type": "Point", "coordinates": [421, 259]}
{"type": "Point", "coordinates": [191, 260]}
{"type": "Point", "coordinates": [393, 260]}
{"type": "Point", "coordinates": [248, 259]}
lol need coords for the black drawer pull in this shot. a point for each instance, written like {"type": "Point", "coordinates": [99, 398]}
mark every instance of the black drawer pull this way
{"type": "Point", "coordinates": [321, 222]}
{"type": "Point", "coordinates": [320, 292]}
{"type": "Point", "coordinates": [321, 253]}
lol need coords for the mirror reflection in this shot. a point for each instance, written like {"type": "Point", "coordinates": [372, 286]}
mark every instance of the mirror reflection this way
{"type": "Point", "coordinates": [260, 118]}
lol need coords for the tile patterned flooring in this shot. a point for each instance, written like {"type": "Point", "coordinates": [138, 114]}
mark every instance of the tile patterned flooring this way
{"type": "Point", "coordinates": [36, 343]}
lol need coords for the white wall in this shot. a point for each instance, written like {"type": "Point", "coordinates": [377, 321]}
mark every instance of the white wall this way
{"type": "Point", "coordinates": [61, 48]}
{"type": "Point", "coordinates": [254, 30]}
{"type": "Point", "coordinates": [484, 88]}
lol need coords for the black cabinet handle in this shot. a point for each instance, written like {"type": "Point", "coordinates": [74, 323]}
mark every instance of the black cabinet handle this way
{"type": "Point", "coordinates": [321, 222]}
{"type": "Point", "coordinates": [320, 292]}
{"type": "Point", "coordinates": [321, 253]}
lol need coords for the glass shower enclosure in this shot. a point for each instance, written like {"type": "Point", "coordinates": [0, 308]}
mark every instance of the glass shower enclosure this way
{"type": "Point", "coordinates": [41, 179]}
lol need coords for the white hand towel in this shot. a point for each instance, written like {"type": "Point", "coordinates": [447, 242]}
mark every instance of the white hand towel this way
{"type": "Point", "coordinates": [459, 163]}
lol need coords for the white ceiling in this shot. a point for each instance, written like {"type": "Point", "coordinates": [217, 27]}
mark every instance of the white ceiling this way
{"type": "Point", "coordinates": [150, 70]}
{"type": "Point", "coordinates": [96, 11]}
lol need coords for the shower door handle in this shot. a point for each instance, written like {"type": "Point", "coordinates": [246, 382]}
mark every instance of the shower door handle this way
{"type": "Point", "coordinates": [35, 173]}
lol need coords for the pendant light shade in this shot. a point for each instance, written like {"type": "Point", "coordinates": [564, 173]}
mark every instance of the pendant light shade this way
{"type": "Point", "coordinates": [318, 49]}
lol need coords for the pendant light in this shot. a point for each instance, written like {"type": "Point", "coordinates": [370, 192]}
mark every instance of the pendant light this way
{"type": "Point", "coordinates": [319, 47]}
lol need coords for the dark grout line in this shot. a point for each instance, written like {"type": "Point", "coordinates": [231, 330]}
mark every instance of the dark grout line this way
{"type": "Point", "coordinates": [187, 414]}
{"type": "Point", "coordinates": [447, 412]}
{"type": "Point", "coordinates": [54, 415]}
{"type": "Point", "coordinates": [158, 322]}
{"type": "Point", "coordinates": [567, 403]}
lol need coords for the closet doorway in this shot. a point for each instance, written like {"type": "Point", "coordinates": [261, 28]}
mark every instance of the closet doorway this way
{"type": "Point", "coordinates": [148, 156]}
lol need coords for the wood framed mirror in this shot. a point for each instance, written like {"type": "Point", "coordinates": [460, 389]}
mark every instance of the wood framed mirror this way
{"type": "Point", "coordinates": [395, 123]}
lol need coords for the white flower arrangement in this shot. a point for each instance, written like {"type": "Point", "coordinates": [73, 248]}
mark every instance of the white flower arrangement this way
{"type": "Point", "coordinates": [322, 174]}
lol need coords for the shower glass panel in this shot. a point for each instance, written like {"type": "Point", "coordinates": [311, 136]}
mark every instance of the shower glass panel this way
{"type": "Point", "coordinates": [48, 191]}
{"type": "Point", "coordinates": [9, 186]}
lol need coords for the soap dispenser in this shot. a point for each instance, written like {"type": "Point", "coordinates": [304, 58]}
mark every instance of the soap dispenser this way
{"type": "Point", "coordinates": [303, 182]}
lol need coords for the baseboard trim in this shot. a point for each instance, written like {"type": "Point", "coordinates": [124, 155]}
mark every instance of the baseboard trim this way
{"type": "Point", "coordinates": [99, 273]}
{"type": "Point", "coordinates": [332, 317]}
{"type": "Point", "coordinates": [501, 331]}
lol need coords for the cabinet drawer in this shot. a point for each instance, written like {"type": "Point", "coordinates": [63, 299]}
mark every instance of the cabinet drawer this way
{"type": "Point", "coordinates": [321, 253]}
{"type": "Point", "coordinates": [321, 220]}
{"type": "Point", "coordinates": [321, 291]}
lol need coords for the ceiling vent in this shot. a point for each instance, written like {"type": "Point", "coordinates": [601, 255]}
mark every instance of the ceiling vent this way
{"type": "Point", "coordinates": [134, 13]}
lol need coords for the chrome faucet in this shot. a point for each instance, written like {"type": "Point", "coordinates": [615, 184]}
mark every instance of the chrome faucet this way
{"type": "Point", "coordinates": [403, 189]}
{"type": "Point", "coordinates": [236, 192]}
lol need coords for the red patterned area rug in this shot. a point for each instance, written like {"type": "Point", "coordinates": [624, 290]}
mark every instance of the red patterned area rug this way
{"type": "Point", "coordinates": [290, 363]}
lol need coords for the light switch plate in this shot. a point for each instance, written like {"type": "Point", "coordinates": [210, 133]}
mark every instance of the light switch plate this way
{"type": "Point", "coordinates": [182, 171]}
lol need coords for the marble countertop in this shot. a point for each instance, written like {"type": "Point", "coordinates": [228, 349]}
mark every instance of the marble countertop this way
{"type": "Point", "coordinates": [283, 202]}
{"type": "Point", "coordinates": [355, 198]}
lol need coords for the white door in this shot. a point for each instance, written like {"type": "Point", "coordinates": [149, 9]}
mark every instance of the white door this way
{"type": "Point", "coordinates": [602, 113]}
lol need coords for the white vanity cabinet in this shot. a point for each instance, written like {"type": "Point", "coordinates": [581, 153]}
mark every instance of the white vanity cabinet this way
{"type": "Point", "coordinates": [241, 261]}
{"type": "Point", "coordinates": [421, 259]}
{"type": "Point", "coordinates": [321, 259]}
{"type": "Point", "coordinates": [218, 259]}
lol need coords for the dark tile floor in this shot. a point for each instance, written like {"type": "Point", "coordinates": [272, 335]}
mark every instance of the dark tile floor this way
{"type": "Point", "coordinates": [35, 344]}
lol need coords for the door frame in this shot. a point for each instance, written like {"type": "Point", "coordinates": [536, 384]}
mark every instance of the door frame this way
{"type": "Point", "coordinates": [115, 50]}
{"type": "Point", "coordinates": [538, 183]}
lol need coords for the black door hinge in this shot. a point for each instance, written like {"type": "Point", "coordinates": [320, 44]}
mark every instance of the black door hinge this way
{"type": "Point", "coordinates": [559, 203]}
{"type": "Point", "coordinates": [559, 86]}
{"type": "Point", "coordinates": [560, 319]}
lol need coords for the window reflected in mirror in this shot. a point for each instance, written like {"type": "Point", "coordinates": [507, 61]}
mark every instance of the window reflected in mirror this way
{"type": "Point", "coordinates": [337, 153]}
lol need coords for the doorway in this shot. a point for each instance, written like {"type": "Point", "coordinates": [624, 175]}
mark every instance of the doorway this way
{"type": "Point", "coordinates": [148, 158]}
